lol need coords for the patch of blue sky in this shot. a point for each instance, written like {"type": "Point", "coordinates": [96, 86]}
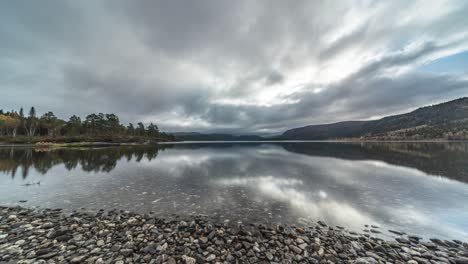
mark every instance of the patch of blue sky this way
{"type": "Point", "coordinates": [457, 63]}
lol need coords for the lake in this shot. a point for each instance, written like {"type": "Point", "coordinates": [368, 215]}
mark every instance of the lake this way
{"type": "Point", "coordinates": [419, 188]}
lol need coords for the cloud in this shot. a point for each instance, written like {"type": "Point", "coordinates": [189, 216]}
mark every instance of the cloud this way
{"type": "Point", "coordinates": [240, 67]}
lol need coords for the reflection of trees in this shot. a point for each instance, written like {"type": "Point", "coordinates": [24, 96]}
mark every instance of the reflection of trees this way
{"type": "Point", "coordinates": [441, 158]}
{"type": "Point", "coordinates": [88, 159]}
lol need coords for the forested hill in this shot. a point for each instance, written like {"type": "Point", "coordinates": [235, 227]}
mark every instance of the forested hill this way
{"type": "Point", "coordinates": [326, 131]}
{"type": "Point", "coordinates": [447, 120]}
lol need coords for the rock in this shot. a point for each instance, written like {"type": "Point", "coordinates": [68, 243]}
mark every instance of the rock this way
{"type": "Point", "coordinates": [295, 249]}
{"type": "Point", "coordinates": [20, 242]}
{"type": "Point", "coordinates": [461, 260]}
{"type": "Point", "coordinates": [402, 240]}
{"type": "Point", "coordinates": [43, 251]}
{"type": "Point", "coordinates": [372, 255]}
{"type": "Point", "coordinates": [421, 260]}
{"type": "Point", "coordinates": [48, 255]}
{"type": "Point", "coordinates": [269, 256]}
{"type": "Point", "coordinates": [127, 252]}
{"type": "Point", "coordinates": [246, 244]}
{"type": "Point", "coordinates": [320, 252]}
{"type": "Point", "coordinates": [300, 230]}
{"type": "Point", "coordinates": [50, 236]}
{"type": "Point", "coordinates": [396, 232]}
{"type": "Point", "coordinates": [47, 225]}
{"type": "Point", "coordinates": [211, 257]}
{"type": "Point", "coordinates": [414, 238]}
{"type": "Point", "coordinates": [12, 217]}
{"type": "Point", "coordinates": [64, 238]}
{"type": "Point", "coordinates": [230, 258]}
{"type": "Point", "coordinates": [115, 248]}
{"type": "Point", "coordinates": [189, 260]}
{"type": "Point", "coordinates": [77, 259]}
{"type": "Point", "coordinates": [151, 249]}
{"type": "Point", "coordinates": [365, 261]}
{"type": "Point", "coordinates": [322, 223]}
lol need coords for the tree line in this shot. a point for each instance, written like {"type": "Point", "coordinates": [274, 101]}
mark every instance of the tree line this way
{"type": "Point", "coordinates": [17, 123]}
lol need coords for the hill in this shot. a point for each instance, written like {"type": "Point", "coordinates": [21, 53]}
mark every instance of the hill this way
{"type": "Point", "coordinates": [447, 120]}
{"type": "Point", "coordinates": [326, 131]}
{"type": "Point", "coordinates": [194, 136]}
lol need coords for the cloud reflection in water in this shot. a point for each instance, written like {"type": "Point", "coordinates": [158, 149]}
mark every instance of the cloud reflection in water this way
{"type": "Point", "coordinates": [342, 184]}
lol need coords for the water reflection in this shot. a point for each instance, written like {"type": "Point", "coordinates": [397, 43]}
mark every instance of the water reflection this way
{"type": "Point", "coordinates": [14, 159]}
{"type": "Point", "coordinates": [414, 187]}
{"type": "Point", "coordinates": [449, 159]}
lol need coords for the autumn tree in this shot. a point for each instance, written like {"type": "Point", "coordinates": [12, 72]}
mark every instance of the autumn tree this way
{"type": "Point", "coordinates": [9, 124]}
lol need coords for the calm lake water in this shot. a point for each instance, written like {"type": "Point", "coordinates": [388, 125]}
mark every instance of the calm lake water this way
{"type": "Point", "coordinates": [420, 188]}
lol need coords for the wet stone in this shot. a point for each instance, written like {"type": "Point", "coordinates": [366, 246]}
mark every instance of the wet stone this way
{"type": "Point", "coordinates": [49, 236]}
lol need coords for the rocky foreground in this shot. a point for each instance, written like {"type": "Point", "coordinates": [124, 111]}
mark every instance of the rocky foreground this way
{"type": "Point", "coordinates": [52, 236]}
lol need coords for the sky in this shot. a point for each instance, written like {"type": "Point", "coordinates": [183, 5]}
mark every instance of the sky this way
{"type": "Point", "coordinates": [232, 66]}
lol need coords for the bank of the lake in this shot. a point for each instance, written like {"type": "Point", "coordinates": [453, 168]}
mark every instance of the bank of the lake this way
{"type": "Point", "coordinates": [83, 140]}
{"type": "Point", "coordinates": [30, 235]}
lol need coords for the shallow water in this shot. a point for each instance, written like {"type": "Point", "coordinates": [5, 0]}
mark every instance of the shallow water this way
{"type": "Point", "coordinates": [419, 188]}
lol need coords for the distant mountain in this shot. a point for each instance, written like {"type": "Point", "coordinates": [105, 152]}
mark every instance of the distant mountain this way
{"type": "Point", "coordinates": [194, 136]}
{"type": "Point", "coordinates": [445, 120]}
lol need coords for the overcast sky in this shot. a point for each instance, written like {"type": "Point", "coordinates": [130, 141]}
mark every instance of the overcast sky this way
{"type": "Point", "coordinates": [232, 66]}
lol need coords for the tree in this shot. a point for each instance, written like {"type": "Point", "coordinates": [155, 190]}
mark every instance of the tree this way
{"type": "Point", "coordinates": [152, 130]}
{"type": "Point", "coordinates": [2, 123]}
{"type": "Point", "coordinates": [73, 126]}
{"type": "Point", "coordinates": [112, 123]}
{"type": "Point", "coordinates": [10, 123]}
{"type": "Point", "coordinates": [50, 122]}
{"type": "Point", "coordinates": [90, 123]}
{"type": "Point", "coordinates": [131, 129]}
{"type": "Point", "coordinates": [13, 123]}
{"type": "Point", "coordinates": [140, 130]}
{"type": "Point", "coordinates": [32, 122]}
{"type": "Point", "coordinates": [23, 121]}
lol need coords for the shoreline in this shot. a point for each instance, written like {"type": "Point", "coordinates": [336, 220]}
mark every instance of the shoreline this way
{"type": "Point", "coordinates": [51, 144]}
{"type": "Point", "coordinates": [32, 235]}
{"type": "Point", "coordinates": [44, 141]}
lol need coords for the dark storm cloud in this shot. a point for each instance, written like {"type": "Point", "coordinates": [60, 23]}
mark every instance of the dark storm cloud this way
{"type": "Point", "coordinates": [229, 66]}
{"type": "Point", "coordinates": [274, 77]}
